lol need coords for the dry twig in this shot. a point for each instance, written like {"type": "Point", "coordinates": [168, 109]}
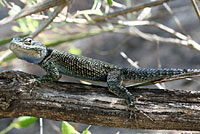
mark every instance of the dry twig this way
{"type": "Point", "coordinates": [196, 8]}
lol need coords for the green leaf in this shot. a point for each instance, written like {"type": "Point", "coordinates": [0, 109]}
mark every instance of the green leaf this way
{"type": "Point", "coordinates": [25, 121]}
{"type": "Point", "coordinates": [35, 24]}
{"type": "Point", "coordinates": [32, 1]}
{"type": "Point", "coordinates": [14, 10]}
{"type": "Point", "coordinates": [26, 25]}
{"type": "Point", "coordinates": [1, 2]}
{"type": "Point", "coordinates": [68, 129]}
{"type": "Point", "coordinates": [21, 122]}
{"type": "Point", "coordinates": [23, 25]}
{"type": "Point", "coordinates": [6, 130]}
{"type": "Point", "coordinates": [16, 29]}
{"type": "Point", "coordinates": [87, 130]}
{"type": "Point", "coordinates": [75, 51]}
{"type": "Point", "coordinates": [31, 25]}
{"type": "Point", "coordinates": [110, 2]}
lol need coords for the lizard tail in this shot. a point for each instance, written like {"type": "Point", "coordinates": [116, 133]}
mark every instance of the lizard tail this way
{"type": "Point", "coordinates": [165, 74]}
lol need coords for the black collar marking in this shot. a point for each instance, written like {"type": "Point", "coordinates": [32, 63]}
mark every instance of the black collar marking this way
{"type": "Point", "coordinates": [49, 51]}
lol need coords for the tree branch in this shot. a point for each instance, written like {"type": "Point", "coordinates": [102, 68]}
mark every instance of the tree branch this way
{"type": "Point", "coordinates": [42, 6]}
{"type": "Point", "coordinates": [127, 10]}
{"type": "Point", "coordinates": [89, 104]}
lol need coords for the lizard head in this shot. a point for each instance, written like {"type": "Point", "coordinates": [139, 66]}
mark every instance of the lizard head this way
{"type": "Point", "coordinates": [28, 49]}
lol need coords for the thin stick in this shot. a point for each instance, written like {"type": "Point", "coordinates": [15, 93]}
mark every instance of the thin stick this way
{"type": "Point", "coordinates": [129, 10]}
{"type": "Point", "coordinates": [49, 20]}
{"type": "Point", "coordinates": [185, 41]}
{"type": "Point", "coordinates": [167, 7]}
{"type": "Point", "coordinates": [196, 8]}
{"type": "Point", "coordinates": [33, 9]}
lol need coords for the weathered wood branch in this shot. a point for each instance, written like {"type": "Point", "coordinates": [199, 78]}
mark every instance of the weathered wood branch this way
{"type": "Point", "coordinates": [89, 104]}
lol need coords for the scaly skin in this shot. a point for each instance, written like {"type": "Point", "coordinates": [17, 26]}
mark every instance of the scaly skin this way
{"type": "Point", "coordinates": [56, 63]}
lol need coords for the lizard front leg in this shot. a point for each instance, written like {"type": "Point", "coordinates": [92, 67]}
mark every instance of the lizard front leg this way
{"type": "Point", "coordinates": [114, 81]}
{"type": "Point", "coordinates": [52, 74]}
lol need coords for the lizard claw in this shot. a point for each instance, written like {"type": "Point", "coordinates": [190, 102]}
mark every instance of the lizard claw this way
{"type": "Point", "coordinates": [131, 104]}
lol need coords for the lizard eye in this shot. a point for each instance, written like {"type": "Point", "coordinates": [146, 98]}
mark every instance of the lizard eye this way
{"type": "Point", "coordinates": [27, 41]}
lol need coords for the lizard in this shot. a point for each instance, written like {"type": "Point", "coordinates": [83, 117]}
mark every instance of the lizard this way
{"type": "Point", "coordinates": [57, 63]}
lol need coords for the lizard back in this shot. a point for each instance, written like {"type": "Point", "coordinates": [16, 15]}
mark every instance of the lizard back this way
{"type": "Point", "coordinates": [80, 66]}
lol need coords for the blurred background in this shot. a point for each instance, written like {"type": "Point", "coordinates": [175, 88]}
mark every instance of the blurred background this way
{"type": "Point", "coordinates": [143, 36]}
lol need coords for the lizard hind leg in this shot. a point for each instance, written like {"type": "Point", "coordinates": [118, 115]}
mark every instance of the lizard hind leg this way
{"type": "Point", "coordinates": [114, 81]}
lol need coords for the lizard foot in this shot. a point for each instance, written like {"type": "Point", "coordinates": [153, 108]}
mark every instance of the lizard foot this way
{"type": "Point", "coordinates": [131, 104]}
{"type": "Point", "coordinates": [136, 111]}
{"type": "Point", "coordinates": [32, 82]}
